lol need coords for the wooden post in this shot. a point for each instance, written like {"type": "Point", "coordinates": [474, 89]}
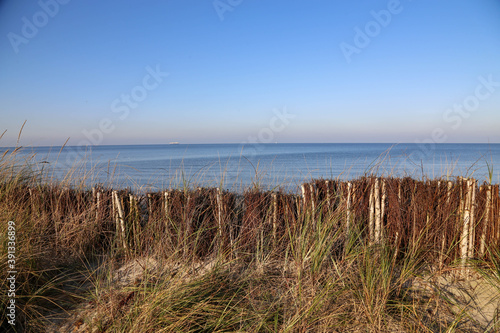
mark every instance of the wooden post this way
{"type": "Point", "coordinates": [187, 217]}
{"type": "Point", "coordinates": [219, 213]}
{"type": "Point", "coordinates": [496, 198]}
{"type": "Point", "coordinates": [120, 220]}
{"type": "Point", "coordinates": [371, 219]}
{"type": "Point", "coordinates": [378, 227]}
{"type": "Point", "coordinates": [327, 184]}
{"type": "Point", "coordinates": [166, 204]}
{"type": "Point", "coordinates": [98, 204]}
{"type": "Point", "coordinates": [464, 240]}
{"type": "Point", "coordinates": [133, 211]}
{"type": "Point", "coordinates": [275, 215]}
{"type": "Point", "coordinates": [113, 212]}
{"type": "Point", "coordinates": [462, 202]}
{"type": "Point", "coordinates": [396, 239]}
{"type": "Point", "coordinates": [313, 200]}
{"type": "Point", "coordinates": [304, 201]}
{"type": "Point", "coordinates": [135, 219]}
{"type": "Point", "coordinates": [348, 207]}
{"type": "Point", "coordinates": [472, 224]}
{"type": "Point", "coordinates": [459, 223]}
{"type": "Point", "coordinates": [150, 208]}
{"type": "Point", "coordinates": [427, 212]}
{"type": "Point", "coordinates": [414, 200]}
{"type": "Point", "coordinates": [382, 209]}
{"type": "Point", "coordinates": [94, 200]}
{"type": "Point", "coordinates": [449, 187]}
{"type": "Point", "coordinates": [486, 220]}
{"type": "Point", "coordinates": [448, 194]}
{"type": "Point", "coordinates": [399, 191]}
{"type": "Point", "coordinates": [384, 199]}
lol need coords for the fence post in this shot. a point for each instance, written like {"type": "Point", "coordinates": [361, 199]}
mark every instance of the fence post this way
{"type": "Point", "coordinates": [135, 219]}
{"type": "Point", "coordinates": [219, 214]}
{"type": "Point", "coordinates": [371, 220]}
{"type": "Point", "coordinates": [495, 199]}
{"type": "Point", "coordinates": [348, 208]}
{"type": "Point", "coordinates": [382, 209]}
{"type": "Point", "coordinates": [120, 220]}
{"type": "Point", "coordinates": [486, 220]}
{"type": "Point", "coordinates": [378, 227]}
{"type": "Point", "coordinates": [304, 201]}
{"type": "Point", "coordinates": [313, 201]}
{"type": "Point", "coordinates": [472, 224]}
{"type": "Point", "coordinates": [166, 196]}
{"type": "Point", "coordinates": [465, 238]}
{"type": "Point", "coordinates": [275, 215]}
{"type": "Point", "coordinates": [98, 204]}
{"type": "Point", "coordinates": [396, 240]}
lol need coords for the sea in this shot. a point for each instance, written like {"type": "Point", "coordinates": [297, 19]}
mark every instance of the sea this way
{"type": "Point", "coordinates": [270, 166]}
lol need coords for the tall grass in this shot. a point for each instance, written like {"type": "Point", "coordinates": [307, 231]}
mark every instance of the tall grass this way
{"type": "Point", "coordinates": [196, 263]}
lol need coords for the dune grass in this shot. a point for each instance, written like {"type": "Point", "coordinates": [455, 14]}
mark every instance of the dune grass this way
{"type": "Point", "coordinates": [310, 274]}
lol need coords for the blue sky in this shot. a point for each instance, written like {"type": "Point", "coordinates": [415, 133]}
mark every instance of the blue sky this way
{"type": "Point", "coordinates": [341, 71]}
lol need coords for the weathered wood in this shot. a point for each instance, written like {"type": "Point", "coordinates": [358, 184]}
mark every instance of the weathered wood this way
{"type": "Point", "coordinates": [378, 211]}
{"type": "Point", "coordinates": [275, 215]}
{"type": "Point", "coordinates": [98, 204]}
{"type": "Point", "coordinates": [464, 239]}
{"type": "Point", "coordinates": [304, 199]}
{"type": "Point", "coordinates": [313, 201]}
{"type": "Point", "coordinates": [120, 219]}
{"type": "Point", "coordinates": [486, 220]}
{"type": "Point", "coordinates": [348, 207]}
{"type": "Point", "coordinates": [327, 184]}
{"type": "Point", "coordinates": [219, 213]}
{"type": "Point", "coordinates": [382, 209]}
{"type": "Point", "coordinates": [371, 220]}
{"type": "Point", "coordinates": [472, 223]}
{"type": "Point", "coordinates": [166, 204]}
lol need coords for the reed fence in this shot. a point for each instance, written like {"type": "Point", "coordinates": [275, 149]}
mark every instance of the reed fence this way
{"type": "Point", "coordinates": [449, 220]}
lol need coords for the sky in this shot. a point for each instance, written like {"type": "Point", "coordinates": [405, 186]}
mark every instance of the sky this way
{"type": "Point", "coordinates": [224, 71]}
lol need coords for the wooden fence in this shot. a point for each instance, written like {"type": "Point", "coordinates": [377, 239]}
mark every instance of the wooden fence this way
{"type": "Point", "coordinates": [451, 220]}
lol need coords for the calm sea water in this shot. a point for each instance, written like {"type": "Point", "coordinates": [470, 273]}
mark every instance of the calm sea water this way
{"type": "Point", "coordinates": [233, 166]}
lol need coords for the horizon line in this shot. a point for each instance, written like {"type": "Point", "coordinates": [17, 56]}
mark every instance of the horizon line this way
{"type": "Point", "coordinates": [250, 144]}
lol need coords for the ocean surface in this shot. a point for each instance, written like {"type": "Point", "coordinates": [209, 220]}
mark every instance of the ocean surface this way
{"type": "Point", "coordinates": [236, 167]}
